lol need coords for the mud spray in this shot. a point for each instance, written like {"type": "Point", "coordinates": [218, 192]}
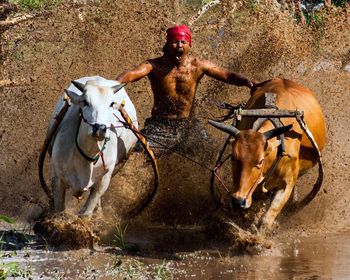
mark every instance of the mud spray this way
{"type": "Point", "coordinates": [105, 38]}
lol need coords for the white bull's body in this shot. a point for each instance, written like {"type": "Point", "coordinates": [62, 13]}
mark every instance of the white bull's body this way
{"type": "Point", "coordinates": [69, 167]}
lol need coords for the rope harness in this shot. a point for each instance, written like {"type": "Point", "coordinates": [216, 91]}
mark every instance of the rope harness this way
{"type": "Point", "coordinates": [99, 154]}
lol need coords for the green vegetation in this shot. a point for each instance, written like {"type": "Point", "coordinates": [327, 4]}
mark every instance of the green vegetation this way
{"type": "Point", "coordinates": [35, 4]}
{"type": "Point", "coordinates": [119, 236]}
{"type": "Point", "coordinates": [135, 269]}
{"type": "Point", "coordinates": [10, 268]}
{"type": "Point", "coordinates": [6, 220]}
{"type": "Point", "coordinates": [339, 3]}
{"type": "Point", "coordinates": [13, 269]}
{"type": "Point", "coordinates": [161, 270]}
{"type": "Point", "coordinates": [119, 239]}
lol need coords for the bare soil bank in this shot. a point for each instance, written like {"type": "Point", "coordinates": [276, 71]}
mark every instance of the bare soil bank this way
{"type": "Point", "coordinates": [44, 54]}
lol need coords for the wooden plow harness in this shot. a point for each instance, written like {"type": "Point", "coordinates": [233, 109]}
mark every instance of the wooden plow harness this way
{"type": "Point", "coordinates": [127, 123]}
{"type": "Point", "coordinates": [272, 113]}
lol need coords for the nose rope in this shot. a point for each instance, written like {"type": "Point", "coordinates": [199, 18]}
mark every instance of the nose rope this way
{"type": "Point", "coordinates": [107, 127]}
{"type": "Point", "coordinates": [106, 139]}
{"type": "Point", "coordinates": [99, 154]}
{"type": "Point", "coordinates": [215, 172]}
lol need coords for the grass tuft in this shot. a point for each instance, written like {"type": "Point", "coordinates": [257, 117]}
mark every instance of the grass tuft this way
{"type": "Point", "coordinates": [119, 236]}
{"type": "Point", "coordinates": [35, 4]}
{"type": "Point", "coordinates": [11, 268]}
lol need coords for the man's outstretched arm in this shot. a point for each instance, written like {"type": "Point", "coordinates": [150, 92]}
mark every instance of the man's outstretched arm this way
{"type": "Point", "coordinates": [224, 75]}
{"type": "Point", "coordinates": [135, 74]}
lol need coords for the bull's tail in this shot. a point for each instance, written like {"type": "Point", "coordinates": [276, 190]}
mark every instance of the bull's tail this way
{"type": "Point", "coordinates": [51, 133]}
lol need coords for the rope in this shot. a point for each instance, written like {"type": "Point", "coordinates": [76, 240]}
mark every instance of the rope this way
{"type": "Point", "coordinates": [129, 124]}
{"type": "Point", "coordinates": [100, 153]}
{"type": "Point", "coordinates": [166, 147]}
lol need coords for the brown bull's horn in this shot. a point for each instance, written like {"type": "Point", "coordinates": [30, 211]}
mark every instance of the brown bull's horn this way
{"type": "Point", "coordinates": [276, 131]}
{"type": "Point", "coordinates": [79, 85]}
{"type": "Point", "coordinates": [117, 88]}
{"type": "Point", "coordinates": [225, 127]}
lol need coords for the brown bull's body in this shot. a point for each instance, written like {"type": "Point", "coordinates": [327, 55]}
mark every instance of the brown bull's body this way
{"type": "Point", "coordinates": [254, 153]}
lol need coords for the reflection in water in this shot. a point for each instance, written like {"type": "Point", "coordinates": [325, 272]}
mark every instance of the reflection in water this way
{"type": "Point", "coordinates": [309, 258]}
{"type": "Point", "coordinates": [304, 258]}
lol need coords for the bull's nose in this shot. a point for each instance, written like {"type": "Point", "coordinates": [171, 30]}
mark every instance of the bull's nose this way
{"type": "Point", "coordinates": [99, 131]}
{"type": "Point", "coordinates": [101, 128]}
{"type": "Point", "coordinates": [238, 201]}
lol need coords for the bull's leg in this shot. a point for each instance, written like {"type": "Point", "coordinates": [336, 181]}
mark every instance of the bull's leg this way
{"type": "Point", "coordinates": [95, 196]}
{"type": "Point", "coordinates": [59, 194]}
{"type": "Point", "coordinates": [279, 201]}
{"type": "Point", "coordinates": [98, 209]}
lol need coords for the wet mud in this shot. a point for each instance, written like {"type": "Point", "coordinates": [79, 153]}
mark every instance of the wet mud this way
{"type": "Point", "coordinates": [66, 232]}
{"type": "Point", "coordinates": [181, 254]}
{"type": "Point", "coordinates": [42, 55]}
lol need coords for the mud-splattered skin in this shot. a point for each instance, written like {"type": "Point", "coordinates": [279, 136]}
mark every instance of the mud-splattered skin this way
{"type": "Point", "coordinates": [174, 79]}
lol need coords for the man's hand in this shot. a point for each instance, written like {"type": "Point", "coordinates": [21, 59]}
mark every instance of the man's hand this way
{"type": "Point", "coordinates": [253, 86]}
{"type": "Point", "coordinates": [250, 84]}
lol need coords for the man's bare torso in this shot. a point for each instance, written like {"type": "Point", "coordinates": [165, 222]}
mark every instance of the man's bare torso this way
{"type": "Point", "coordinates": [174, 86]}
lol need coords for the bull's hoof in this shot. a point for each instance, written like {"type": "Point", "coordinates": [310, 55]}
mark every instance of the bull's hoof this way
{"type": "Point", "coordinates": [264, 229]}
{"type": "Point", "coordinates": [246, 240]}
{"type": "Point", "coordinates": [79, 194]}
{"type": "Point", "coordinates": [85, 215]}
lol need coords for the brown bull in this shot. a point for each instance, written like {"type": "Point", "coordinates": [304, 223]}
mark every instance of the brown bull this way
{"type": "Point", "coordinates": [254, 152]}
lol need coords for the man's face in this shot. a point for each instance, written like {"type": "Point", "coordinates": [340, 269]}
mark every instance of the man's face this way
{"type": "Point", "coordinates": [178, 48]}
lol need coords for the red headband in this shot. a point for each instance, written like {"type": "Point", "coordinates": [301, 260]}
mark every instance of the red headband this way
{"type": "Point", "coordinates": [179, 32]}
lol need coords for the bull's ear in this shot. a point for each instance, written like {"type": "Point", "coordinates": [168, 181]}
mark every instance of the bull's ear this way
{"type": "Point", "coordinates": [79, 85]}
{"type": "Point", "coordinates": [73, 97]}
{"type": "Point", "coordinates": [224, 127]}
{"type": "Point", "coordinates": [276, 131]}
{"type": "Point", "coordinates": [117, 88]}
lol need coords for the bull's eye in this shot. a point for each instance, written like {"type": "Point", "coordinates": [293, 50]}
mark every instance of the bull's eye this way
{"type": "Point", "coordinates": [112, 104]}
{"type": "Point", "coordinates": [85, 103]}
{"type": "Point", "coordinates": [260, 164]}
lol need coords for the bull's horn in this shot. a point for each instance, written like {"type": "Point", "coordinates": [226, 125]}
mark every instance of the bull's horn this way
{"type": "Point", "coordinates": [225, 127]}
{"type": "Point", "coordinates": [78, 85]}
{"type": "Point", "coordinates": [117, 88]}
{"type": "Point", "coordinates": [276, 131]}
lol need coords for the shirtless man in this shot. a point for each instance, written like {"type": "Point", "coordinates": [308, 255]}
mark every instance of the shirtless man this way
{"type": "Point", "coordinates": [174, 80]}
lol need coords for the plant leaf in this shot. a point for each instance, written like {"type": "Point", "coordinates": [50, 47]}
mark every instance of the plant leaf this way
{"type": "Point", "coordinates": [6, 219]}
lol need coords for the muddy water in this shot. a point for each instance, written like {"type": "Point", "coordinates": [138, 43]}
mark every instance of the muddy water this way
{"type": "Point", "coordinates": [187, 255]}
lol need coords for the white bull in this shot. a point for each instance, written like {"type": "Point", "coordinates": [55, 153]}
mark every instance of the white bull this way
{"type": "Point", "coordinates": [90, 141]}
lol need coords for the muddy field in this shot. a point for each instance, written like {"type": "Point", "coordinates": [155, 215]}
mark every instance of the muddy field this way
{"type": "Point", "coordinates": [40, 56]}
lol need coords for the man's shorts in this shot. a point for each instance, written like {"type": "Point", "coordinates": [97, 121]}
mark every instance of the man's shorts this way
{"type": "Point", "coordinates": [174, 135]}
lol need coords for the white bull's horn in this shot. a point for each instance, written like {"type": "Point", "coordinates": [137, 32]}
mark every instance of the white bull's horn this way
{"type": "Point", "coordinates": [117, 88]}
{"type": "Point", "coordinates": [225, 127]}
{"type": "Point", "coordinates": [78, 85]}
{"type": "Point", "coordinates": [276, 131]}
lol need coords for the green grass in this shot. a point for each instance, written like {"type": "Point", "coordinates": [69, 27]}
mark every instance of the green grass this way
{"type": "Point", "coordinates": [339, 3]}
{"type": "Point", "coordinates": [13, 269]}
{"type": "Point", "coordinates": [10, 268]}
{"type": "Point", "coordinates": [162, 271]}
{"type": "Point", "coordinates": [35, 4]}
{"type": "Point", "coordinates": [119, 236]}
{"type": "Point", "coordinates": [6, 220]}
